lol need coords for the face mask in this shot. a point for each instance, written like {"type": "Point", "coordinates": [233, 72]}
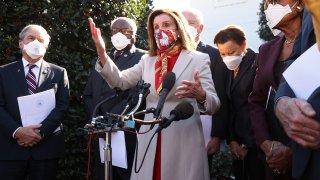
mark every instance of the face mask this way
{"type": "Point", "coordinates": [274, 14]}
{"type": "Point", "coordinates": [165, 39]}
{"type": "Point", "coordinates": [232, 62]}
{"type": "Point", "coordinates": [120, 41]}
{"type": "Point", "coordinates": [193, 32]}
{"type": "Point", "coordinates": [34, 49]}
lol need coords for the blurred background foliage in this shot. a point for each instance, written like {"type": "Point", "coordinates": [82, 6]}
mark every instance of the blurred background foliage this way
{"type": "Point", "coordinates": [264, 31]}
{"type": "Point", "coordinates": [71, 47]}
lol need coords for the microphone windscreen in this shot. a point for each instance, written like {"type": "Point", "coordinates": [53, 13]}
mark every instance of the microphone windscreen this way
{"type": "Point", "coordinates": [183, 110]}
{"type": "Point", "coordinates": [169, 80]}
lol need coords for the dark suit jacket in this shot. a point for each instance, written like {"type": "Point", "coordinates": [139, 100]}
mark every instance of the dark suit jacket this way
{"type": "Point", "coordinates": [97, 89]}
{"type": "Point", "coordinates": [266, 126]}
{"type": "Point", "coordinates": [238, 90]}
{"type": "Point", "coordinates": [12, 85]}
{"type": "Point", "coordinates": [306, 162]}
{"type": "Point", "coordinates": [219, 74]}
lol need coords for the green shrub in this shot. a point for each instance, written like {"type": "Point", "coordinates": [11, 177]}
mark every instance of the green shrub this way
{"type": "Point", "coordinates": [71, 47]}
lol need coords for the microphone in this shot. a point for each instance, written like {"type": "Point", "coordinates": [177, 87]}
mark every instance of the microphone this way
{"type": "Point", "coordinates": [146, 111]}
{"type": "Point", "coordinates": [167, 85]}
{"type": "Point", "coordinates": [182, 111]}
{"type": "Point", "coordinates": [143, 93]}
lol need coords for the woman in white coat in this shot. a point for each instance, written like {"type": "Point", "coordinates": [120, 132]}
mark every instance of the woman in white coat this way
{"type": "Point", "coordinates": [178, 152]}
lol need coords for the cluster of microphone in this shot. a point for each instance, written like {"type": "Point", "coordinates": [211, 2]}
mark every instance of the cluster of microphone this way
{"type": "Point", "coordinates": [182, 111]}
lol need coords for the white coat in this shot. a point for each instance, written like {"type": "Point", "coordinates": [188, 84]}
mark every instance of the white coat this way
{"type": "Point", "coordinates": [183, 152]}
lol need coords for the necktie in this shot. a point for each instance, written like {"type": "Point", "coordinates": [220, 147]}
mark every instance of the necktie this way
{"type": "Point", "coordinates": [31, 80]}
{"type": "Point", "coordinates": [117, 54]}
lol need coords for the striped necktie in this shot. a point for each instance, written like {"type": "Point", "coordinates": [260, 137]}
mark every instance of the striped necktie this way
{"type": "Point", "coordinates": [31, 80]}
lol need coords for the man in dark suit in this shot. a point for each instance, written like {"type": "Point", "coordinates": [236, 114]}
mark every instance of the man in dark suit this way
{"type": "Point", "coordinates": [298, 117]}
{"type": "Point", "coordinates": [219, 74]}
{"type": "Point", "coordinates": [31, 152]}
{"type": "Point", "coordinates": [125, 55]}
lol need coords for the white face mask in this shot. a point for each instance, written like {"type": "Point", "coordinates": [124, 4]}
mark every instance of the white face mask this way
{"type": "Point", "coordinates": [34, 49]}
{"type": "Point", "coordinates": [274, 14]}
{"type": "Point", "coordinates": [232, 62]}
{"type": "Point", "coordinates": [120, 41]}
{"type": "Point", "coordinates": [193, 32]}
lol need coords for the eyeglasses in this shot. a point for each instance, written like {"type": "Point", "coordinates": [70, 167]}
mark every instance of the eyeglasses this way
{"type": "Point", "coordinates": [123, 31]}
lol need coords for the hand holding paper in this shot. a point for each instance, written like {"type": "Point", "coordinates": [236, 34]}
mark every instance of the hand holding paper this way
{"type": "Point", "coordinates": [36, 107]}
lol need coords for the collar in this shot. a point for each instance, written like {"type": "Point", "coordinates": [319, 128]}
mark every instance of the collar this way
{"type": "Point", "coordinates": [26, 63]}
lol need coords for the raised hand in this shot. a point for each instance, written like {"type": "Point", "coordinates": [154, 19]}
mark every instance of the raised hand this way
{"type": "Point", "coordinates": [98, 41]}
{"type": "Point", "coordinates": [191, 89]}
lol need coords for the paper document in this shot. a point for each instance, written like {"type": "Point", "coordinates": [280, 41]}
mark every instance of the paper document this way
{"type": "Point", "coordinates": [303, 75]}
{"type": "Point", "coordinates": [206, 121]}
{"type": "Point", "coordinates": [35, 108]}
{"type": "Point", "coordinates": [119, 150]}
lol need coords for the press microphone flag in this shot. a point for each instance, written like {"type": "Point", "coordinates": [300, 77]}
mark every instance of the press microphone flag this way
{"type": "Point", "coordinates": [167, 84]}
{"type": "Point", "coordinates": [182, 111]}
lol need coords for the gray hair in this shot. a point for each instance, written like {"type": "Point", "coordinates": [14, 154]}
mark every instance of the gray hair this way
{"type": "Point", "coordinates": [23, 32]}
{"type": "Point", "coordinates": [198, 14]}
{"type": "Point", "coordinates": [130, 21]}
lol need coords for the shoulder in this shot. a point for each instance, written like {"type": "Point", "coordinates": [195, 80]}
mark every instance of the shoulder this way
{"type": "Point", "coordinates": [146, 59]}
{"type": "Point", "coordinates": [251, 54]}
{"type": "Point", "coordinates": [7, 67]}
{"type": "Point", "coordinates": [278, 40]}
{"type": "Point", "coordinates": [138, 53]}
{"type": "Point", "coordinates": [208, 49]}
{"type": "Point", "coordinates": [203, 47]}
{"type": "Point", "coordinates": [53, 67]}
{"type": "Point", "coordinates": [252, 57]}
{"type": "Point", "coordinates": [196, 54]}
{"type": "Point", "coordinates": [198, 58]}
{"type": "Point", "coordinates": [141, 51]}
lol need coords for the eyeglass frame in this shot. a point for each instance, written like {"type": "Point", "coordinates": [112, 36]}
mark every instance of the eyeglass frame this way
{"type": "Point", "coordinates": [125, 31]}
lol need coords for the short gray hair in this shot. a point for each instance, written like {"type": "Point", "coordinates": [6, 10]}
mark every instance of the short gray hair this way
{"type": "Point", "coordinates": [197, 13]}
{"type": "Point", "coordinates": [130, 21]}
{"type": "Point", "coordinates": [23, 32]}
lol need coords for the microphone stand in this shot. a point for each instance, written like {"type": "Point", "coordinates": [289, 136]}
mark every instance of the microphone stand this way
{"type": "Point", "coordinates": [108, 156]}
{"type": "Point", "coordinates": [144, 91]}
{"type": "Point", "coordinates": [107, 147]}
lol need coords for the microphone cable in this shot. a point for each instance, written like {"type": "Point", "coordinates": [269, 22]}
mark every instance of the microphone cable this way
{"type": "Point", "coordinates": [89, 156]}
{"type": "Point", "coordinates": [145, 153]}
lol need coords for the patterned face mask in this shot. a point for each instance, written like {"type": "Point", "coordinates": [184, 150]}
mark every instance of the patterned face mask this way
{"type": "Point", "coordinates": [165, 39]}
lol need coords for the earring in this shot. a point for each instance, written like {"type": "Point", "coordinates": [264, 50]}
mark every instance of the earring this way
{"type": "Point", "coordinates": [299, 9]}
